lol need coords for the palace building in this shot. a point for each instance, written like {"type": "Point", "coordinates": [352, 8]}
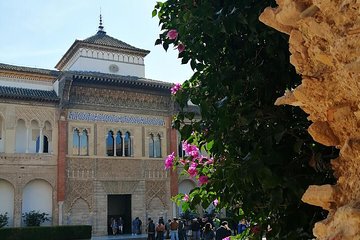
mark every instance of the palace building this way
{"type": "Point", "coordinates": [86, 142]}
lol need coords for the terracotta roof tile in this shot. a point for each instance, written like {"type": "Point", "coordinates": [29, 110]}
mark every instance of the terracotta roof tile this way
{"type": "Point", "coordinates": [31, 94]}
{"type": "Point", "coordinates": [101, 38]}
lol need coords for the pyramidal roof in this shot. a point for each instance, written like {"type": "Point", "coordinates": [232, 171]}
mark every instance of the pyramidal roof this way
{"type": "Point", "coordinates": [100, 41]}
{"type": "Point", "coordinates": [101, 38]}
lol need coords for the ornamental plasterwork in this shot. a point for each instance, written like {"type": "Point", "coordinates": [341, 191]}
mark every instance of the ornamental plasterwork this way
{"type": "Point", "coordinates": [118, 169]}
{"type": "Point", "coordinates": [81, 129]}
{"type": "Point", "coordinates": [118, 57]}
{"type": "Point", "coordinates": [120, 187]}
{"type": "Point", "coordinates": [80, 168]}
{"type": "Point", "coordinates": [110, 97]}
{"type": "Point", "coordinates": [123, 130]}
{"type": "Point", "coordinates": [155, 132]}
{"type": "Point", "coordinates": [76, 189]}
{"type": "Point", "coordinates": [156, 189]}
{"type": "Point", "coordinates": [40, 114]}
{"type": "Point", "coordinates": [112, 118]}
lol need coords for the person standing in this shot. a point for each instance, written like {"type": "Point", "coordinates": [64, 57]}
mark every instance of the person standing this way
{"type": "Point", "coordinates": [167, 227]}
{"type": "Point", "coordinates": [121, 225]}
{"type": "Point", "coordinates": [208, 232]}
{"type": "Point", "coordinates": [195, 228]}
{"type": "Point", "coordinates": [160, 229]}
{"type": "Point", "coordinates": [182, 230]}
{"type": "Point", "coordinates": [135, 226]}
{"type": "Point", "coordinates": [151, 230]}
{"type": "Point", "coordinates": [174, 227]}
{"type": "Point", "coordinates": [139, 226]}
{"type": "Point", "coordinates": [114, 226]}
{"type": "Point", "coordinates": [223, 231]}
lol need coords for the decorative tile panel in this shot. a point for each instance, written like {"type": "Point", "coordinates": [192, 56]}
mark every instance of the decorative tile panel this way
{"type": "Point", "coordinates": [110, 118]}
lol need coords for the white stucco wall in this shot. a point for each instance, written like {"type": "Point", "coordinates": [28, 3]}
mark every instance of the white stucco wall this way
{"type": "Point", "coordinates": [100, 65]}
{"type": "Point", "coordinates": [25, 83]}
{"type": "Point", "coordinates": [7, 200]}
{"type": "Point", "coordinates": [37, 195]}
{"type": "Point", "coordinates": [91, 60]}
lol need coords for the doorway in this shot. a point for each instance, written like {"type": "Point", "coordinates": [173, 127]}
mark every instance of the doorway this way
{"type": "Point", "coordinates": [119, 205]}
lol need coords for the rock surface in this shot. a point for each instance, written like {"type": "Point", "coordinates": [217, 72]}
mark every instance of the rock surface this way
{"type": "Point", "coordinates": [325, 50]}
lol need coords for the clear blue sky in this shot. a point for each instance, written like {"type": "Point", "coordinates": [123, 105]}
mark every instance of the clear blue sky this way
{"type": "Point", "coordinates": [37, 33]}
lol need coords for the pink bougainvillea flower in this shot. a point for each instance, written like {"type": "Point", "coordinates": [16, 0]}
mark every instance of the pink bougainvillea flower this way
{"type": "Point", "coordinates": [194, 153]}
{"type": "Point", "coordinates": [209, 161]}
{"type": "Point", "coordinates": [181, 47]}
{"type": "Point", "coordinates": [169, 161]}
{"type": "Point", "coordinates": [192, 170]}
{"type": "Point", "coordinates": [203, 180]}
{"type": "Point", "coordinates": [186, 146]}
{"type": "Point", "coordinates": [175, 88]}
{"type": "Point", "coordinates": [227, 238]}
{"type": "Point", "coordinates": [186, 198]}
{"type": "Point", "coordinates": [172, 34]}
{"type": "Point", "coordinates": [216, 202]}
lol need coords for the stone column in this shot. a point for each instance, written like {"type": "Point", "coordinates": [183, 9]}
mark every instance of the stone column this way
{"type": "Point", "coordinates": [61, 203]}
{"type": "Point", "coordinates": [131, 145]}
{"type": "Point", "coordinates": [114, 137]}
{"type": "Point", "coordinates": [27, 139]}
{"type": "Point", "coordinates": [62, 149]}
{"type": "Point", "coordinates": [18, 204]}
{"type": "Point", "coordinates": [123, 145]}
{"type": "Point", "coordinates": [41, 141]}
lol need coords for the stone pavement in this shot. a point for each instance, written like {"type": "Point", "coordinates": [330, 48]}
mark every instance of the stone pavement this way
{"type": "Point", "coordinates": [121, 237]}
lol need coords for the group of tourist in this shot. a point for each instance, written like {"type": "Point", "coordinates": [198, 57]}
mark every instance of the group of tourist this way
{"type": "Point", "coordinates": [178, 229]}
{"type": "Point", "coordinates": [117, 226]}
{"type": "Point", "coordinates": [195, 229]}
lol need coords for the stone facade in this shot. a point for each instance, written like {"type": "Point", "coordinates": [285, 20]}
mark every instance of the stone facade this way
{"type": "Point", "coordinates": [61, 138]}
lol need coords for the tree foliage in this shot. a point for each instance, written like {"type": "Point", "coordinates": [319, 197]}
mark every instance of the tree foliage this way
{"type": "Point", "coordinates": [264, 158]}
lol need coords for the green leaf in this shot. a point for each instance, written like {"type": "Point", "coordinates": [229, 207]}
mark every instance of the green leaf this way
{"type": "Point", "coordinates": [158, 41]}
{"type": "Point", "coordinates": [154, 12]}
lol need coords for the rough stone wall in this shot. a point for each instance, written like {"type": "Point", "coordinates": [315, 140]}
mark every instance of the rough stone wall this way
{"type": "Point", "coordinates": [325, 50]}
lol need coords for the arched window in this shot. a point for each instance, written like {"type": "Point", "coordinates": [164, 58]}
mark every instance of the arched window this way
{"type": "Point", "coordinates": [21, 142]}
{"type": "Point", "coordinates": [76, 142]}
{"type": "Point", "coordinates": [127, 144]}
{"type": "Point", "coordinates": [151, 145]}
{"type": "Point", "coordinates": [110, 143]}
{"type": "Point", "coordinates": [84, 143]}
{"type": "Point", "coordinates": [119, 144]}
{"type": "Point", "coordinates": [157, 146]}
{"type": "Point", "coordinates": [45, 144]}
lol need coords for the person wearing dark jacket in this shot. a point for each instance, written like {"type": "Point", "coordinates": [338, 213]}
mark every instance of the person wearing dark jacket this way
{"type": "Point", "coordinates": [223, 231]}
{"type": "Point", "coordinates": [151, 230]}
{"type": "Point", "coordinates": [195, 227]}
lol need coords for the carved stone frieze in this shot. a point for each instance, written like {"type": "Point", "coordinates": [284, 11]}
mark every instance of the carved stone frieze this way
{"type": "Point", "coordinates": [119, 187]}
{"type": "Point", "coordinates": [118, 98]}
{"type": "Point", "coordinates": [119, 169]}
{"type": "Point", "coordinates": [40, 114]}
